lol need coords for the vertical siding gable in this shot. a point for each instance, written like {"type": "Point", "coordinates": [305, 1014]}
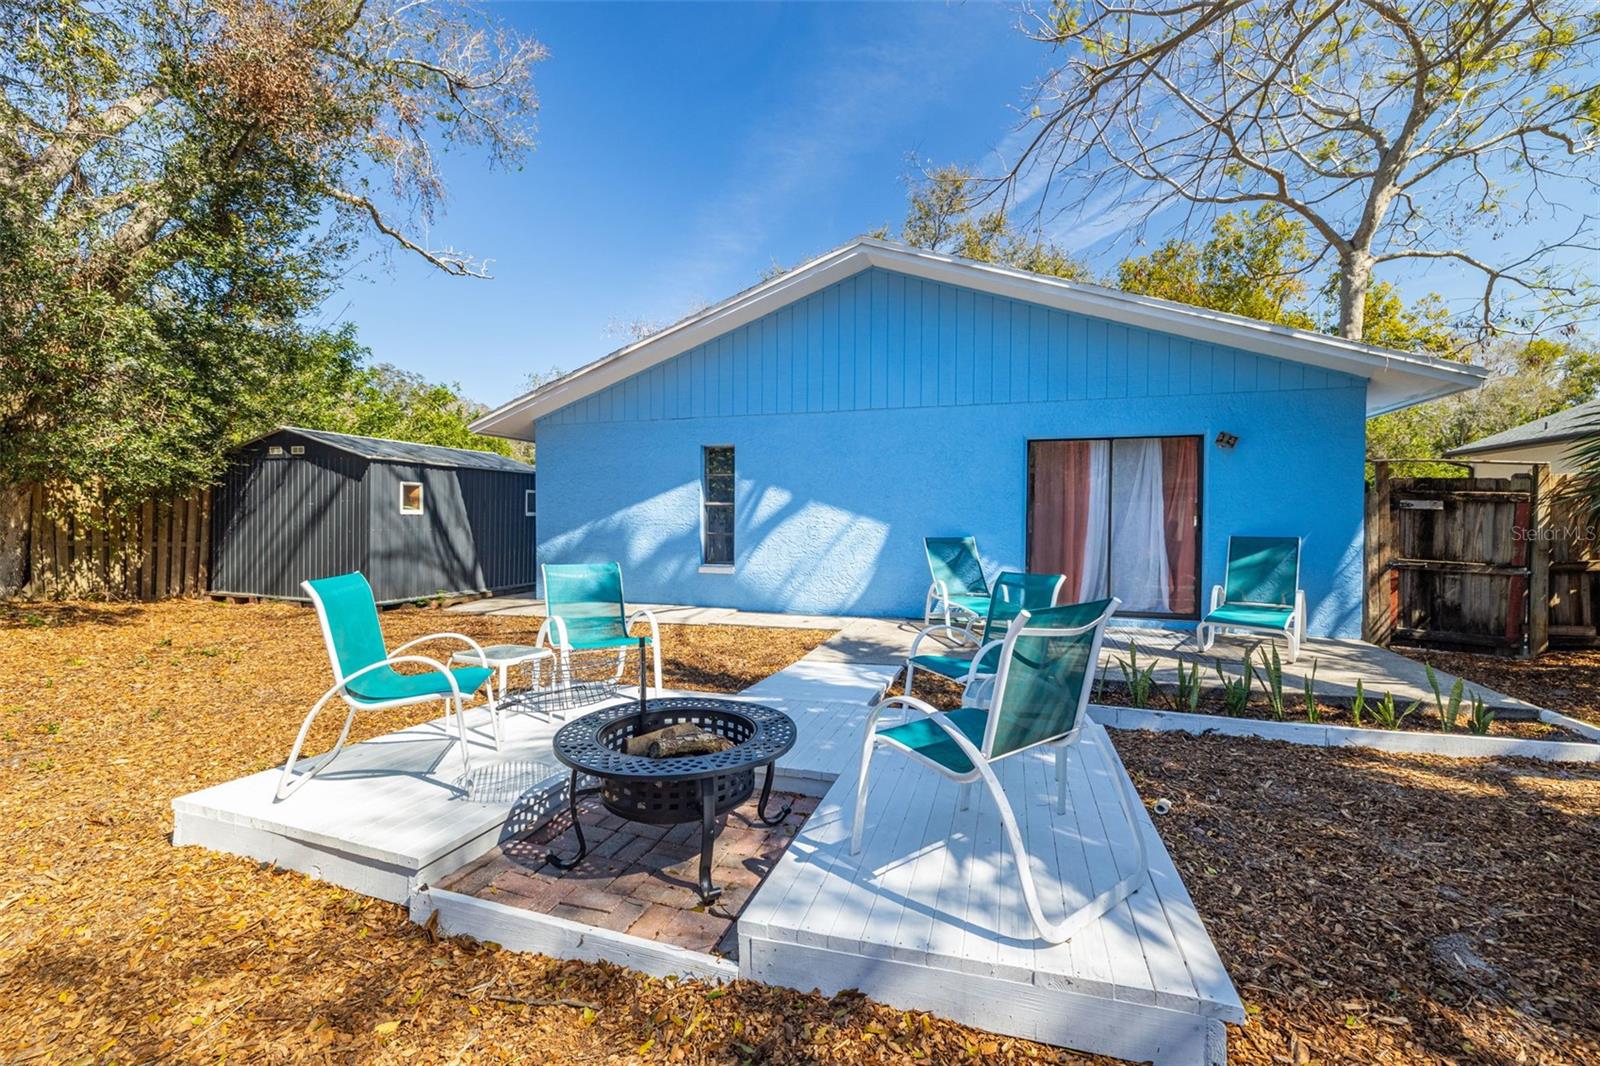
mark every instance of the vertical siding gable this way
{"type": "Point", "coordinates": [880, 340]}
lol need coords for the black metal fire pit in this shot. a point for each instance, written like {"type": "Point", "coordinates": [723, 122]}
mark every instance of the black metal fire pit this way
{"type": "Point", "coordinates": [674, 790]}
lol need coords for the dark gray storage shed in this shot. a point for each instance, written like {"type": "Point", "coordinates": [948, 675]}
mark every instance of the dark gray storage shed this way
{"type": "Point", "coordinates": [418, 519]}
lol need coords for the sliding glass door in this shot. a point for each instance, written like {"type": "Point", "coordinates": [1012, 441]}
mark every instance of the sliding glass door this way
{"type": "Point", "coordinates": [1118, 517]}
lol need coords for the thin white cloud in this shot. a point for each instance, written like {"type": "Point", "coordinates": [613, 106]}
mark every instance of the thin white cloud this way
{"type": "Point", "coordinates": [856, 100]}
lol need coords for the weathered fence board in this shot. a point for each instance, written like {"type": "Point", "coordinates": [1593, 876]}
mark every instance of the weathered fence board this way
{"type": "Point", "coordinates": [1476, 562]}
{"type": "Point", "coordinates": [150, 551]}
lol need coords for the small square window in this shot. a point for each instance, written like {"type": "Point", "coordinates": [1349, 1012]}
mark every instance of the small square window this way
{"type": "Point", "coordinates": [527, 503]}
{"type": "Point", "coordinates": [410, 497]}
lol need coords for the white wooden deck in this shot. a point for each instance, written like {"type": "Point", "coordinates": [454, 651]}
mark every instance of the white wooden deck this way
{"type": "Point", "coordinates": [930, 915]}
{"type": "Point", "coordinates": [388, 814]}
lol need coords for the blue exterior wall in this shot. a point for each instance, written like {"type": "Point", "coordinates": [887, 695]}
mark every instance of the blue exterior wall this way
{"type": "Point", "coordinates": [885, 408]}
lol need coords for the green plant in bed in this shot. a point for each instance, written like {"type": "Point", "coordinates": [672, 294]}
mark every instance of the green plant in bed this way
{"type": "Point", "coordinates": [1449, 709]}
{"type": "Point", "coordinates": [1313, 711]}
{"type": "Point", "coordinates": [1358, 707]}
{"type": "Point", "coordinates": [1186, 690]}
{"type": "Point", "coordinates": [1272, 682]}
{"type": "Point", "coordinates": [1235, 690]}
{"type": "Point", "coordinates": [1481, 719]}
{"type": "Point", "coordinates": [1386, 714]}
{"type": "Point", "coordinates": [1139, 680]}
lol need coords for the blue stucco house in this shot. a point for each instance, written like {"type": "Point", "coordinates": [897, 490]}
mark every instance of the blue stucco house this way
{"type": "Point", "coordinates": [789, 448]}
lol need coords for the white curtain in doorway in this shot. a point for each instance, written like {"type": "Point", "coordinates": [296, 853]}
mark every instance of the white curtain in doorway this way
{"type": "Point", "coordinates": [1092, 582]}
{"type": "Point", "coordinates": [1138, 530]}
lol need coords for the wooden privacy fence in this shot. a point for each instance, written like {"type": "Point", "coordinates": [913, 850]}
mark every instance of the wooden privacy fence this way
{"type": "Point", "coordinates": [158, 549]}
{"type": "Point", "coordinates": [1461, 562]}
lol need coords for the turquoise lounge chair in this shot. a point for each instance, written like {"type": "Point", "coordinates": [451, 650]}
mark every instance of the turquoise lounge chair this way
{"type": "Point", "coordinates": [364, 674]}
{"type": "Point", "coordinates": [1012, 594]}
{"type": "Point", "coordinates": [1047, 668]}
{"type": "Point", "coordinates": [959, 587]}
{"type": "Point", "coordinates": [1260, 592]}
{"type": "Point", "coordinates": [586, 612]}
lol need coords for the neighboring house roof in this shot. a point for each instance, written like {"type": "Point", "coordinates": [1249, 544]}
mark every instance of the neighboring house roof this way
{"type": "Point", "coordinates": [400, 451]}
{"type": "Point", "coordinates": [1572, 424]}
{"type": "Point", "coordinates": [1397, 379]}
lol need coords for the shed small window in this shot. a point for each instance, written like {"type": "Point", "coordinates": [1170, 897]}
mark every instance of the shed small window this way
{"type": "Point", "coordinates": [527, 503]}
{"type": "Point", "coordinates": [717, 507]}
{"type": "Point", "coordinates": [410, 497]}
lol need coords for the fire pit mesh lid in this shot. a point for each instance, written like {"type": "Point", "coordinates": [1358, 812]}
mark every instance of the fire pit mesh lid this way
{"type": "Point", "coordinates": [761, 734]}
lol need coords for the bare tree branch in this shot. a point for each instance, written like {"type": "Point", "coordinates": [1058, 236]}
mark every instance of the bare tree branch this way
{"type": "Point", "coordinates": [1385, 128]}
{"type": "Point", "coordinates": [449, 261]}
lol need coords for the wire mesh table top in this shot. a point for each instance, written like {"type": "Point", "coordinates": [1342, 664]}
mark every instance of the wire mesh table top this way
{"type": "Point", "coordinates": [580, 744]}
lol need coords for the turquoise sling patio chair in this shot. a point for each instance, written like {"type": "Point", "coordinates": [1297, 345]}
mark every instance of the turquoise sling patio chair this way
{"type": "Point", "coordinates": [586, 612]}
{"type": "Point", "coordinates": [1260, 592]}
{"type": "Point", "coordinates": [365, 678]}
{"type": "Point", "coordinates": [1012, 594]}
{"type": "Point", "coordinates": [959, 588]}
{"type": "Point", "coordinates": [1041, 696]}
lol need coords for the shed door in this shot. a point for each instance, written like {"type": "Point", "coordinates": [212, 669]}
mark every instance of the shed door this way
{"type": "Point", "coordinates": [1118, 517]}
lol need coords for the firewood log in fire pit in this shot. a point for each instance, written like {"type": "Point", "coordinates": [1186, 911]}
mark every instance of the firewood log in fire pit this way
{"type": "Point", "coordinates": [676, 740]}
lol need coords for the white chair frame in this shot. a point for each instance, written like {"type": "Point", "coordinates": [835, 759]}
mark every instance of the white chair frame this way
{"type": "Point", "coordinates": [939, 593]}
{"type": "Point", "coordinates": [966, 636]}
{"type": "Point", "coordinates": [553, 635]}
{"type": "Point", "coordinates": [1054, 932]}
{"type": "Point", "coordinates": [1294, 631]}
{"type": "Point", "coordinates": [290, 781]}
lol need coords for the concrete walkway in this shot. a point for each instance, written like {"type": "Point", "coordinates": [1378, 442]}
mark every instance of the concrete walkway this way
{"type": "Point", "coordinates": [886, 641]}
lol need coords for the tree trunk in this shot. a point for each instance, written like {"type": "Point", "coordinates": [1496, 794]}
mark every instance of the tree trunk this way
{"type": "Point", "coordinates": [14, 508]}
{"type": "Point", "coordinates": [1355, 278]}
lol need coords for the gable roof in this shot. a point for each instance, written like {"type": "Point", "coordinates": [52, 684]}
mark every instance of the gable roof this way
{"type": "Point", "coordinates": [1396, 379]}
{"type": "Point", "coordinates": [400, 451]}
{"type": "Point", "coordinates": [1572, 424]}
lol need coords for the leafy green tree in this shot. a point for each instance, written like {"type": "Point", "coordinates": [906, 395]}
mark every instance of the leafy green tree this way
{"type": "Point", "coordinates": [181, 184]}
{"type": "Point", "coordinates": [1530, 379]}
{"type": "Point", "coordinates": [385, 401]}
{"type": "Point", "coordinates": [945, 215]}
{"type": "Point", "coordinates": [1250, 265]}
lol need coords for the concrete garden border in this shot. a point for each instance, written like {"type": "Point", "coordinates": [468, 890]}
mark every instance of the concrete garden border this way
{"type": "Point", "coordinates": [1458, 745]}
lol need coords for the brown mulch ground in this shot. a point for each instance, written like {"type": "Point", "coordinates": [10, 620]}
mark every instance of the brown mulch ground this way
{"type": "Point", "coordinates": [1333, 882]}
{"type": "Point", "coordinates": [1385, 908]}
{"type": "Point", "coordinates": [1564, 680]}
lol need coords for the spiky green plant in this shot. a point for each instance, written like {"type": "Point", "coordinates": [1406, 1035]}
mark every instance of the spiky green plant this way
{"type": "Point", "coordinates": [1140, 681]}
{"type": "Point", "coordinates": [1482, 718]}
{"type": "Point", "coordinates": [1235, 690]}
{"type": "Point", "coordinates": [1449, 709]}
{"type": "Point", "coordinates": [1313, 712]}
{"type": "Point", "coordinates": [1272, 683]}
{"type": "Point", "coordinates": [1387, 715]}
{"type": "Point", "coordinates": [1358, 708]}
{"type": "Point", "coordinates": [1186, 690]}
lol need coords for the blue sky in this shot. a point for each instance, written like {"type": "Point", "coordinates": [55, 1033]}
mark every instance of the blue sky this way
{"type": "Point", "coordinates": [682, 150]}
{"type": "Point", "coordinates": [685, 148]}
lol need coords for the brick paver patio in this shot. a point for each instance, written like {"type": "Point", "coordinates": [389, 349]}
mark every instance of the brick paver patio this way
{"type": "Point", "coordinates": [637, 878]}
